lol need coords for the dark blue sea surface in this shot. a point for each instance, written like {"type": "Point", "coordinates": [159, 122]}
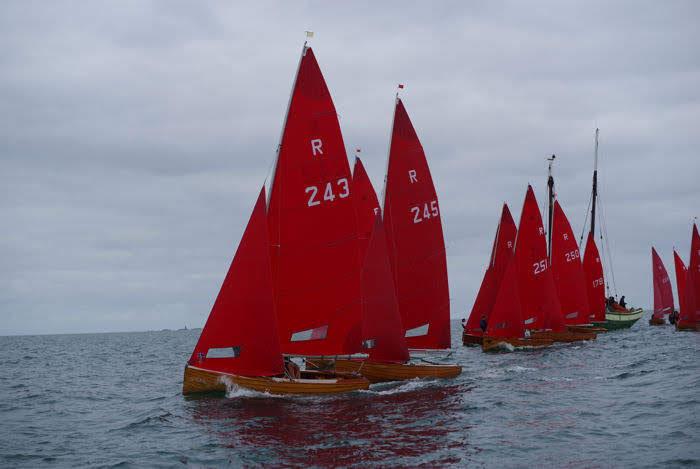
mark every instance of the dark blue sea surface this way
{"type": "Point", "coordinates": [629, 399]}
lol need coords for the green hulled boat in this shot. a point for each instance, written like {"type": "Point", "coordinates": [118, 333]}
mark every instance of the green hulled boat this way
{"type": "Point", "coordinates": [620, 319]}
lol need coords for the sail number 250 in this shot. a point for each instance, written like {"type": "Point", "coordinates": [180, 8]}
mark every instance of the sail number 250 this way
{"type": "Point", "coordinates": [329, 192]}
{"type": "Point", "coordinates": [425, 211]}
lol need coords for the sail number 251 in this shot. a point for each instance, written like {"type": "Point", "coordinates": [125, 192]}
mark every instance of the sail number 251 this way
{"type": "Point", "coordinates": [329, 192]}
{"type": "Point", "coordinates": [425, 211]}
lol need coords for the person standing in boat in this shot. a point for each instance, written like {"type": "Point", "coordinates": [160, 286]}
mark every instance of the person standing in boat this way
{"type": "Point", "coordinates": [464, 324]}
{"type": "Point", "coordinates": [622, 302]}
{"type": "Point", "coordinates": [673, 317]}
{"type": "Point", "coordinates": [483, 323]}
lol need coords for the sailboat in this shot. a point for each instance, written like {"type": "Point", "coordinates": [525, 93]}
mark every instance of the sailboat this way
{"type": "Point", "coordinates": [567, 270]}
{"type": "Point", "coordinates": [415, 240]}
{"type": "Point", "coordinates": [505, 324]}
{"type": "Point", "coordinates": [610, 318]}
{"type": "Point", "coordinates": [541, 308]}
{"type": "Point", "coordinates": [689, 318]}
{"type": "Point", "coordinates": [663, 294]}
{"type": "Point", "coordinates": [681, 275]}
{"type": "Point", "coordinates": [238, 345]}
{"type": "Point", "coordinates": [382, 332]}
{"type": "Point", "coordinates": [501, 252]}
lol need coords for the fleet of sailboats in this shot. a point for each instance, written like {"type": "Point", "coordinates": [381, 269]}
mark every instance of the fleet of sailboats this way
{"type": "Point", "coordinates": [329, 291]}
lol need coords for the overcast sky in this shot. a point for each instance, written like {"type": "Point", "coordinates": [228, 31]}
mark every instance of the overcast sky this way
{"type": "Point", "coordinates": [134, 136]}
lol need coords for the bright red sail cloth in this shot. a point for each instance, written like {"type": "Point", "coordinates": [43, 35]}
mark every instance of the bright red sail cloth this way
{"type": "Point", "coordinates": [595, 283]}
{"type": "Point", "coordinates": [504, 246]}
{"type": "Point", "coordinates": [568, 270]}
{"type": "Point", "coordinates": [506, 319]}
{"type": "Point", "coordinates": [415, 239]}
{"type": "Point", "coordinates": [538, 295]}
{"type": "Point", "coordinates": [313, 227]}
{"type": "Point", "coordinates": [663, 295]}
{"type": "Point", "coordinates": [690, 314]}
{"type": "Point", "coordinates": [501, 252]}
{"type": "Point", "coordinates": [242, 321]}
{"type": "Point", "coordinates": [382, 332]}
{"type": "Point", "coordinates": [366, 203]}
{"type": "Point", "coordinates": [681, 274]}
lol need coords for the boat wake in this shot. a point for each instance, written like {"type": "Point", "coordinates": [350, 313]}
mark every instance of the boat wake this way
{"type": "Point", "coordinates": [397, 387]}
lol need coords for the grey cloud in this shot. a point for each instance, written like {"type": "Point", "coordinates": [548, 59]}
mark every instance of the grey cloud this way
{"type": "Point", "coordinates": [134, 136]}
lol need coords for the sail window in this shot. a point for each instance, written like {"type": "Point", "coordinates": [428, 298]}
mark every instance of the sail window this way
{"type": "Point", "coordinates": [317, 333]}
{"type": "Point", "coordinates": [368, 344]}
{"type": "Point", "coordinates": [224, 352]}
{"type": "Point", "coordinates": [418, 331]}
{"type": "Point", "coordinates": [529, 321]}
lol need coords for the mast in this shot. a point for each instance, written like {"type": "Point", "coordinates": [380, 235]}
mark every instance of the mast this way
{"type": "Point", "coordinates": [594, 194]}
{"type": "Point", "coordinates": [550, 186]}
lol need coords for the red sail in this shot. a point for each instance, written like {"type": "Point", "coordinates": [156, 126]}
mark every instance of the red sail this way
{"type": "Point", "coordinates": [312, 225]}
{"type": "Point", "coordinates": [538, 295]}
{"type": "Point", "coordinates": [240, 335]}
{"type": "Point", "coordinates": [382, 332]}
{"type": "Point", "coordinates": [663, 295]}
{"type": "Point", "coordinates": [690, 314]}
{"type": "Point", "coordinates": [415, 240]}
{"type": "Point", "coordinates": [501, 252]}
{"type": "Point", "coordinates": [366, 203]}
{"type": "Point", "coordinates": [506, 319]}
{"type": "Point", "coordinates": [568, 271]}
{"type": "Point", "coordinates": [595, 283]}
{"type": "Point", "coordinates": [681, 273]}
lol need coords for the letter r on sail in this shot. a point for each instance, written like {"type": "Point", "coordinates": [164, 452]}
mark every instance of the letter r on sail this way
{"type": "Point", "coordinates": [316, 144]}
{"type": "Point", "coordinates": [412, 176]}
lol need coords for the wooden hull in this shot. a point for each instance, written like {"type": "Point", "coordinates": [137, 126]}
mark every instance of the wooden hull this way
{"type": "Point", "coordinates": [565, 336]}
{"type": "Point", "coordinates": [686, 326]}
{"type": "Point", "coordinates": [377, 372]}
{"type": "Point", "coordinates": [198, 380]}
{"type": "Point", "coordinates": [471, 339]}
{"type": "Point", "coordinates": [587, 328]}
{"type": "Point", "coordinates": [494, 344]}
{"type": "Point", "coordinates": [656, 321]}
{"type": "Point", "coordinates": [620, 320]}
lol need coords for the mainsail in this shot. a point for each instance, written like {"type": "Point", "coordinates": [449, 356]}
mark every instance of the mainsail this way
{"type": "Point", "coordinates": [506, 319]}
{"type": "Point", "coordinates": [313, 227]}
{"type": "Point", "coordinates": [663, 294]}
{"type": "Point", "coordinates": [415, 239]}
{"type": "Point", "coordinates": [382, 332]}
{"type": "Point", "coordinates": [595, 283]}
{"type": "Point", "coordinates": [501, 252]}
{"type": "Point", "coordinates": [681, 273]}
{"type": "Point", "coordinates": [538, 295]}
{"type": "Point", "coordinates": [568, 271]}
{"type": "Point", "coordinates": [366, 204]}
{"type": "Point", "coordinates": [240, 336]}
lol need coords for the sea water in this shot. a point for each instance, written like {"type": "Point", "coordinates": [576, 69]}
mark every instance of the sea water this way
{"type": "Point", "coordinates": [629, 399]}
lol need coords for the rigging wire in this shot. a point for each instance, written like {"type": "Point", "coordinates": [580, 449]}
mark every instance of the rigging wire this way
{"type": "Point", "coordinates": [604, 232]}
{"type": "Point", "coordinates": [585, 222]}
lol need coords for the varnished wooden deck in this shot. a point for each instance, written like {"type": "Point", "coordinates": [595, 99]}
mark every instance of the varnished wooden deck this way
{"type": "Point", "coordinates": [198, 380]}
{"type": "Point", "coordinates": [377, 372]}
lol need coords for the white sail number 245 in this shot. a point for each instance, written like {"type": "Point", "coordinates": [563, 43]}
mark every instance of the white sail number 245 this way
{"type": "Point", "coordinates": [328, 193]}
{"type": "Point", "coordinates": [425, 212]}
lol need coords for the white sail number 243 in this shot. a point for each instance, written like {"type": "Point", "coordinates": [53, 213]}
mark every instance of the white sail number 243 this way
{"type": "Point", "coordinates": [425, 212]}
{"type": "Point", "coordinates": [328, 194]}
